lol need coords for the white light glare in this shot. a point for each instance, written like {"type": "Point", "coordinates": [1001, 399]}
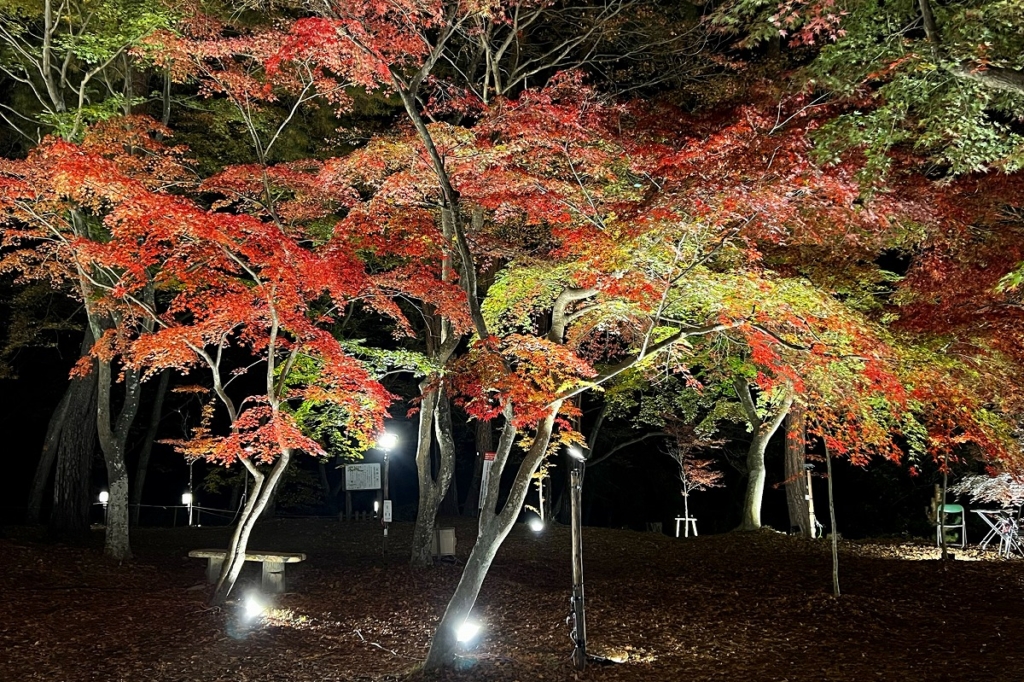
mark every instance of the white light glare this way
{"type": "Point", "coordinates": [387, 441]}
{"type": "Point", "coordinates": [186, 499]}
{"type": "Point", "coordinates": [467, 631]}
{"type": "Point", "coordinates": [536, 525]}
{"type": "Point", "coordinates": [376, 506]}
{"type": "Point", "coordinates": [104, 497]}
{"type": "Point", "coordinates": [576, 453]}
{"type": "Point", "coordinates": [254, 608]}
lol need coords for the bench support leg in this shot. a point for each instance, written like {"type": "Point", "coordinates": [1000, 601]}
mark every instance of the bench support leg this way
{"type": "Point", "coordinates": [273, 577]}
{"type": "Point", "coordinates": [213, 566]}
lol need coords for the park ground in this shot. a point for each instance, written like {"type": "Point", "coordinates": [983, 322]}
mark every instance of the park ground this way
{"type": "Point", "coordinates": [753, 606]}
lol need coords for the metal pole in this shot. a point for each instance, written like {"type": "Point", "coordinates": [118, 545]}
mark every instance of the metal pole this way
{"type": "Point", "coordinates": [579, 634]}
{"type": "Point", "coordinates": [384, 505]}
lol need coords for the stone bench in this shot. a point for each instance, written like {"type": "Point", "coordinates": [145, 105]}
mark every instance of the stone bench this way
{"type": "Point", "coordinates": [273, 565]}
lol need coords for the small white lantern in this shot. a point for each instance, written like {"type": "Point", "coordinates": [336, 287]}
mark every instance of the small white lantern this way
{"type": "Point", "coordinates": [186, 498]}
{"type": "Point", "coordinates": [104, 497]}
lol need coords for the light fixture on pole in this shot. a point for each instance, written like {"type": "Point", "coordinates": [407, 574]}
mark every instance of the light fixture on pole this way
{"type": "Point", "coordinates": [104, 500]}
{"type": "Point", "coordinates": [578, 457]}
{"type": "Point", "coordinates": [186, 500]}
{"type": "Point", "coordinates": [386, 442]}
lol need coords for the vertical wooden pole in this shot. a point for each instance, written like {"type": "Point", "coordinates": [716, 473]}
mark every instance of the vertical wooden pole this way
{"type": "Point", "coordinates": [540, 498]}
{"type": "Point", "coordinates": [810, 506]}
{"type": "Point", "coordinates": [579, 654]}
{"type": "Point", "coordinates": [835, 532]}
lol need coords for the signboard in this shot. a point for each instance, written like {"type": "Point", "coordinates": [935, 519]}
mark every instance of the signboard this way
{"type": "Point", "coordinates": [387, 511]}
{"type": "Point", "coordinates": [485, 476]}
{"type": "Point", "coordinates": [362, 477]}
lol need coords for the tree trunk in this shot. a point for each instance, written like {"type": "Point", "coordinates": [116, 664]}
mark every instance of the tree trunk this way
{"type": "Point", "coordinates": [76, 447]}
{"type": "Point", "coordinates": [484, 444]}
{"type": "Point", "coordinates": [835, 531]}
{"type": "Point", "coordinates": [797, 494]}
{"type": "Point", "coordinates": [755, 484]}
{"type": "Point", "coordinates": [263, 488]}
{"type": "Point", "coordinates": [494, 527]}
{"type": "Point", "coordinates": [435, 422]}
{"type": "Point", "coordinates": [142, 466]}
{"type": "Point", "coordinates": [44, 468]}
{"type": "Point", "coordinates": [112, 442]}
{"type": "Point", "coordinates": [79, 400]}
{"type": "Point", "coordinates": [762, 433]}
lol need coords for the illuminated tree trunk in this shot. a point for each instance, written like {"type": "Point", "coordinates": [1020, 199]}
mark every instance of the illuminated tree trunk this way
{"type": "Point", "coordinates": [263, 487]}
{"type": "Point", "coordinates": [484, 443]}
{"type": "Point", "coordinates": [435, 421]}
{"type": "Point", "coordinates": [797, 492]}
{"type": "Point", "coordinates": [762, 433]}
{"type": "Point", "coordinates": [494, 526]}
{"type": "Point", "coordinates": [112, 442]}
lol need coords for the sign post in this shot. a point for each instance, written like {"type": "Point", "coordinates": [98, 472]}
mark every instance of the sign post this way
{"type": "Point", "coordinates": [359, 477]}
{"type": "Point", "coordinates": [485, 477]}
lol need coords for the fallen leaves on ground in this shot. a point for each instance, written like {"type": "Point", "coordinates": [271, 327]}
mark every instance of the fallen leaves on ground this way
{"type": "Point", "coordinates": [752, 606]}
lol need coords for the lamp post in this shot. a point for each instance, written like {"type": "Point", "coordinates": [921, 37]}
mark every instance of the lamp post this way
{"type": "Point", "coordinates": [104, 499]}
{"type": "Point", "coordinates": [386, 442]}
{"type": "Point", "coordinates": [186, 499]}
{"type": "Point", "coordinates": [579, 619]}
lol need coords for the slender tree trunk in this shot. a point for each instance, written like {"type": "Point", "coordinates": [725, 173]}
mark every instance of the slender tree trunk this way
{"type": "Point", "coordinates": [835, 531]}
{"type": "Point", "coordinates": [142, 466]}
{"type": "Point", "coordinates": [263, 487]}
{"type": "Point", "coordinates": [77, 445]}
{"type": "Point", "coordinates": [435, 414]}
{"type": "Point", "coordinates": [493, 528]}
{"type": "Point", "coordinates": [797, 494]}
{"type": "Point", "coordinates": [942, 503]}
{"type": "Point", "coordinates": [484, 444]}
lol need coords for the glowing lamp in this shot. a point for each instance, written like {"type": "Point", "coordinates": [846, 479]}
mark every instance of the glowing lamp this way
{"type": "Point", "coordinates": [576, 453]}
{"type": "Point", "coordinates": [467, 632]}
{"type": "Point", "coordinates": [254, 607]}
{"type": "Point", "coordinates": [536, 525]}
{"type": "Point", "coordinates": [387, 441]}
{"type": "Point", "coordinates": [186, 498]}
{"type": "Point", "coordinates": [104, 497]}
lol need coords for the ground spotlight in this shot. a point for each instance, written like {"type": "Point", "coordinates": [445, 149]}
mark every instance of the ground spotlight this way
{"type": "Point", "coordinates": [254, 607]}
{"type": "Point", "coordinates": [467, 632]}
{"type": "Point", "coordinates": [536, 525]}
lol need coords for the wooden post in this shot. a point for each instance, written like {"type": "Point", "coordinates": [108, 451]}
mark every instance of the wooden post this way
{"type": "Point", "coordinates": [810, 506]}
{"type": "Point", "coordinates": [213, 566]}
{"type": "Point", "coordinates": [540, 498]}
{"type": "Point", "coordinates": [579, 654]}
{"type": "Point", "coordinates": [273, 577]}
